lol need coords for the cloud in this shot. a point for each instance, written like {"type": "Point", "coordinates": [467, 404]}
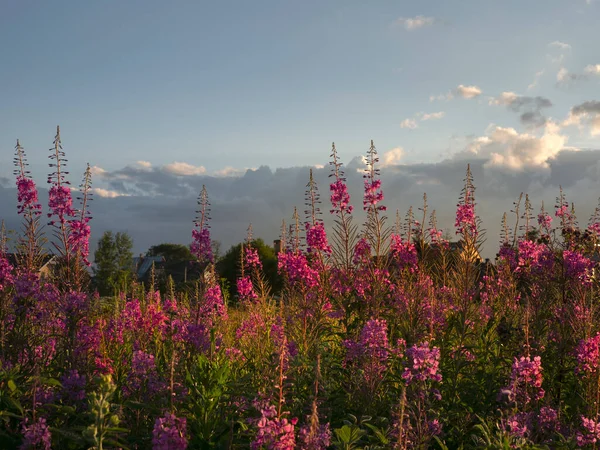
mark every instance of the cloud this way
{"type": "Point", "coordinates": [560, 45]}
{"type": "Point", "coordinates": [592, 69]}
{"type": "Point", "coordinates": [461, 90]}
{"type": "Point", "coordinates": [505, 148]}
{"type": "Point", "coordinates": [184, 169]}
{"type": "Point", "coordinates": [409, 123]}
{"type": "Point", "coordinates": [467, 91]}
{"type": "Point", "coordinates": [144, 164]}
{"type": "Point", "coordinates": [536, 80]}
{"type": "Point", "coordinates": [414, 23]}
{"type": "Point", "coordinates": [392, 157]}
{"type": "Point", "coordinates": [529, 107]}
{"type": "Point", "coordinates": [432, 116]}
{"type": "Point", "coordinates": [586, 113]}
{"type": "Point", "coordinates": [412, 123]}
{"type": "Point", "coordinates": [106, 193]}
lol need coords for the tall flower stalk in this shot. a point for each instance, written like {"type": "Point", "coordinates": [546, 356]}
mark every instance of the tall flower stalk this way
{"type": "Point", "coordinates": [31, 242]}
{"type": "Point", "coordinates": [344, 235]}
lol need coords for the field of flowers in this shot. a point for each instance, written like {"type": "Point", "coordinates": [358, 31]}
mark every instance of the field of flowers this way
{"type": "Point", "coordinates": [385, 335]}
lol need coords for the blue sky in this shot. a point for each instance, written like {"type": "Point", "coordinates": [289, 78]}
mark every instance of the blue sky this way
{"type": "Point", "coordinates": [163, 97]}
{"type": "Point", "coordinates": [242, 84]}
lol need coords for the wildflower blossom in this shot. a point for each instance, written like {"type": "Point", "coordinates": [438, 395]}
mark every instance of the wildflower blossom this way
{"type": "Point", "coordinates": [423, 364]}
{"type": "Point", "coordinates": [587, 353]}
{"type": "Point", "coordinates": [201, 245]}
{"type": "Point", "coordinates": [373, 195]}
{"type": "Point", "coordinates": [340, 198]}
{"type": "Point", "coordinates": [27, 196]}
{"type": "Point", "coordinates": [251, 258]}
{"type": "Point", "coordinates": [36, 435]}
{"type": "Point", "coordinates": [526, 380]}
{"type": "Point", "coordinates": [274, 433]}
{"type": "Point", "coordinates": [245, 289]}
{"type": "Point", "coordinates": [404, 253]}
{"type": "Point", "coordinates": [316, 238]}
{"type": "Point", "coordinates": [591, 432]}
{"type": "Point", "coordinates": [169, 433]}
{"type": "Point", "coordinates": [371, 350]}
{"type": "Point", "coordinates": [314, 439]}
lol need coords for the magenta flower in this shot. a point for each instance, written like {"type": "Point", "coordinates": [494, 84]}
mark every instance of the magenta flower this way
{"type": "Point", "coordinates": [169, 433]}
{"type": "Point", "coordinates": [201, 246]}
{"type": "Point", "coordinates": [27, 196]}
{"type": "Point", "coordinates": [274, 433]}
{"type": "Point", "coordinates": [251, 258]}
{"type": "Point", "coordinates": [526, 380]}
{"type": "Point", "coordinates": [404, 253]}
{"type": "Point", "coordinates": [591, 432]}
{"type": "Point", "coordinates": [577, 266]}
{"type": "Point", "coordinates": [317, 439]}
{"type": "Point", "coordinates": [79, 238]}
{"type": "Point", "coordinates": [316, 238]}
{"type": "Point", "coordinates": [466, 222]}
{"type": "Point", "coordinates": [371, 351]}
{"type": "Point", "coordinates": [60, 203]}
{"type": "Point", "coordinates": [423, 364]}
{"type": "Point", "coordinates": [6, 277]}
{"type": "Point", "coordinates": [340, 198]}
{"type": "Point", "coordinates": [373, 195]}
{"type": "Point", "coordinates": [245, 289]}
{"type": "Point", "coordinates": [587, 353]}
{"type": "Point", "coordinates": [295, 266]}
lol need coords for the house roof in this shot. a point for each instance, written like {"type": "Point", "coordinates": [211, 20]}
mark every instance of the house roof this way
{"type": "Point", "coordinates": [14, 261]}
{"type": "Point", "coordinates": [142, 264]}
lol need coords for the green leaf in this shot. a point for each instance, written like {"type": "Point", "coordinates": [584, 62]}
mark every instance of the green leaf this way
{"type": "Point", "coordinates": [12, 386]}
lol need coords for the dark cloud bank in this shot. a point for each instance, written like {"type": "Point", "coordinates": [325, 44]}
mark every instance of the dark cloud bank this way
{"type": "Point", "coordinates": [160, 206]}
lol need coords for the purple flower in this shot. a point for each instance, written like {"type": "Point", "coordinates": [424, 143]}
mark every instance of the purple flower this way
{"type": "Point", "coordinates": [526, 380]}
{"type": "Point", "coordinates": [340, 199]}
{"type": "Point", "coordinates": [169, 433]}
{"type": "Point", "coordinates": [373, 195]}
{"type": "Point", "coordinates": [6, 277]}
{"type": "Point", "coordinates": [27, 196]}
{"type": "Point", "coordinates": [577, 266]}
{"type": "Point", "coordinates": [314, 438]}
{"type": "Point", "coordinates": [591, 432]}
{"type": "Point", "coordinates": [36, 435]}
{"type": "Point", "coordinates": [316, 238]}
{"type": "Point", "coordinates": [274, 433]}
{"type": "Point", "coordinates": [588, 355]}
{"type": "Point", "coordinates": [251, 257]}
{"type": "Point", "coordinates": [60, 202]}
{"type": "Point", "coordinates": [404, 253]}
{"type": "Point", "coordinates": [423, 364]}
{"type": "Point", "coordinates": [73, 388]}
{"type": "Point", "coordinates": [201, 245]}
{"type": "Point", "coordinates": [245, 289]}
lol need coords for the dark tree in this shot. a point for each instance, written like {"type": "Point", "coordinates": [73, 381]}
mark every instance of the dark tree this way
{"type": "Point", "coordinates": [228, 266]}
{"type": "Point", "coordinates": [114, 262]}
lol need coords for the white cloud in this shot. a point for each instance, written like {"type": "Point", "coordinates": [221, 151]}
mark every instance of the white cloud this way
{"type": "Point", "coordinates": [506, 98]}
{"type": "Point", "coordinates": [409, 123]}
{"type": "Point", "coordinates": [392, 157]}
{"type": "Point", "coordinates": [144, 164]}
{"type": "Point", "coordinates": [229, 172]}
{"type": "Point", "coordinates": [592, 69]}
{"type": "Point", "coordinates": [97, 171]}
{"type": "Point", "coordinates": [586, 113]}
{"type": "Point", "coordinates": [432, 116]}
{"type": "Point", "coordinates": [468, 91]}
{"type": "Point", "coordinates": [414, 23]}
{"type": "Point", "coordinates": [560, 45]}
{"type": "Point", "coordinates": [183, 169]}
{"type": "Point", "coordinates": [508, 149]}
{"type": "Point", "coordinates": [107, 193]}
{"type": "Point", "coordinates": [536, 80]}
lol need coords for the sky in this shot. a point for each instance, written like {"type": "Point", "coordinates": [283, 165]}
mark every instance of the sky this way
{"type": "Point", "coordinates": [162, 97]}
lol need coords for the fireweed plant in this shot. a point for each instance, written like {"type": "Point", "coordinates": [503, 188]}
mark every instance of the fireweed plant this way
{"type": "Point", "coordinates": [382, 336]}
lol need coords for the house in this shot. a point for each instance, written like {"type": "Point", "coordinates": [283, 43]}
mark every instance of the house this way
{"type": "Point", "coordinates": [46, 264]}
{"type": "Point", "coordinates": [142, 266]}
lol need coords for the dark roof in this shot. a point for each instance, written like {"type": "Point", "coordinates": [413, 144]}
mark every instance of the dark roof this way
{"type": "Point", "coordinates": [143, 264]}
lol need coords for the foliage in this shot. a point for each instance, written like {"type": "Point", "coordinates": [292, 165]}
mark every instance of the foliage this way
{"type": "Point", "coordinates": [113, 258]}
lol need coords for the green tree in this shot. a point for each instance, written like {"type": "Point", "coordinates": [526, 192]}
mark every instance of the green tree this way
{"type": "Point", "coordinates": [171, 252]}
{"type": "Point", "coordinates": [113, 258]}
{"type": "Point", "coordinates": [228, 266]}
